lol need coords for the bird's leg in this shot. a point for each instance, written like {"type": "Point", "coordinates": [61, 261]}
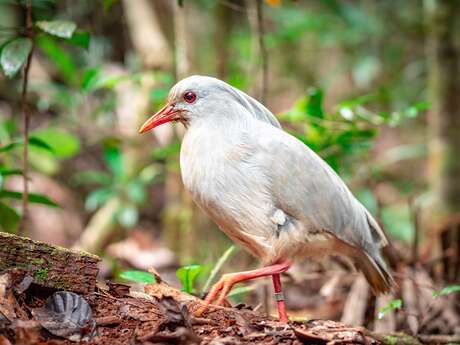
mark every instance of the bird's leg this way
{"type": "Point", "coordinates": [225, 284]}
{"type": "Point", "coordinates": [279, 297]}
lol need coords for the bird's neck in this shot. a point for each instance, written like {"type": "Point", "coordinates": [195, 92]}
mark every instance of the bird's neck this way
{"type": "Point", "coordinates": [224, 123]}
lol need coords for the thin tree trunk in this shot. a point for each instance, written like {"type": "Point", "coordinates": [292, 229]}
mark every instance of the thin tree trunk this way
{"type": "Point", "coordinates": [222, 38]}
{"type": "Point", "coordinates": [444, 118]}
{"type": "Point", "coordinates": [146, 35]}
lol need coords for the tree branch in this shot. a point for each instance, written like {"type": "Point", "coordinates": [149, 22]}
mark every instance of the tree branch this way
{"type": "Point", "coordinates": [26, 120]}
{"type": "Point", "coordinates": [262, 50]}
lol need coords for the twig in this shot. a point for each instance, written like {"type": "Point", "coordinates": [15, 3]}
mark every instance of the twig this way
{"type": "Point", "coordinates": [262, 50]}
{"type": "Point", "coordinates": [415, 211]}
{"type": "Point", "coordinates": [26, 120]}
{"type": "Point", "coordinates": [222, 260]}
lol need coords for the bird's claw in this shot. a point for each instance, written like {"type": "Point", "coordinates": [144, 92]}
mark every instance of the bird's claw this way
{"type": "Point", "coordinates": [219, 290]}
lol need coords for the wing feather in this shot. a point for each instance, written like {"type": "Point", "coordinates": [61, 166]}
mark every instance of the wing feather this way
{"type": "Point", "coordinates": [307, 188]}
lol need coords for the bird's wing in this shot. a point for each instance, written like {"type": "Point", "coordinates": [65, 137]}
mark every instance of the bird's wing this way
{"type": "Point", "coordinates": [306, 188]}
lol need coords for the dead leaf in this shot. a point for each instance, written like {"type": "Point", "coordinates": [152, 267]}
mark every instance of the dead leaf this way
{"type": "Point", "coordinates": [67, 315]}
{"type": "Point", "coordinates": [177, 315]}
{"type": "Point", "coordinates": [4, 340]}
{"type": "Point", "coordinates": [118, 290]}
{"type": "Point", "coordinates": [273, 3]}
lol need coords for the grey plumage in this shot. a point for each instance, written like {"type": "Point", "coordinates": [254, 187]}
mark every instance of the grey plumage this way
{"type": "Point", "coordinates": [266, 189]}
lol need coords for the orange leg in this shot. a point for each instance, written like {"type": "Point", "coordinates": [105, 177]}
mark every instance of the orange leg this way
{"type": "Point", "coordinates": [221, 289]}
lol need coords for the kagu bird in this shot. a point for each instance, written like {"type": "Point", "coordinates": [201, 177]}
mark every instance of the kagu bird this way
{"type": "Point", "coordinates": [265, 189]}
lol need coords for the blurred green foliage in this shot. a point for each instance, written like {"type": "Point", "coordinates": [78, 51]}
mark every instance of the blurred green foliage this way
{"type": "Point", "coordinates": [130, 189]}
{"type": "Point", "coordinates": [364, 59]}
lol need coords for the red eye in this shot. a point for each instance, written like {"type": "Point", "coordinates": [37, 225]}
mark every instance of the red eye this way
{"type": "Point", "coordinates": [189, 97]}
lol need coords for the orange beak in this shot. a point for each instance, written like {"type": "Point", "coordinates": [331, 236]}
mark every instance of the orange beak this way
{"type": "Point", "coordinates": [165, 114]}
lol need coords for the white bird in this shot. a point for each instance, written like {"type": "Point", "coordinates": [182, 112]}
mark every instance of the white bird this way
{"type": "Point", "coordinates": [265, 189]}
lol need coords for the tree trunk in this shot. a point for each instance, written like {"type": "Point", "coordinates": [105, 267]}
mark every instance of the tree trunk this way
{"type": "Point", "coordinates": [444, 118]}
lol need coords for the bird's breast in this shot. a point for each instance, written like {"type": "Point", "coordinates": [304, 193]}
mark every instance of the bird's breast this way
{"type": "Point", "coordinates": [229, 188]}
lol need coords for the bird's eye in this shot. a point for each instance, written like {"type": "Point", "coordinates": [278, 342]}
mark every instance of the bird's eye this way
{"type": "Point", "coordinates": [189, 97]}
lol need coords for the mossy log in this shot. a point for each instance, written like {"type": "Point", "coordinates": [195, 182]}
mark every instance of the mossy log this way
{"type": "Point", "coordinates": [49, 266]}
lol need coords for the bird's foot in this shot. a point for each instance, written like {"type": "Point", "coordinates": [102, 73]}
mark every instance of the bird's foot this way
{"type": "Point", "coordinates": [219, 291]}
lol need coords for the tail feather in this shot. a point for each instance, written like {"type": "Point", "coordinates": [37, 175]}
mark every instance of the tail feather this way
{"type": "Point", "coordinates": [376, 272]}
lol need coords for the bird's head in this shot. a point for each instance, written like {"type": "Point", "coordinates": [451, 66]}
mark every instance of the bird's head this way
{"type": "Point", "coordinates": [186, 101]}
{"type": "Point", "coordinates": [200, 97]}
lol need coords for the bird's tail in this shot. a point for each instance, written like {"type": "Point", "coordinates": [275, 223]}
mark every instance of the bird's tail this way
{"type": "Point", "coordinates": [376, 272]}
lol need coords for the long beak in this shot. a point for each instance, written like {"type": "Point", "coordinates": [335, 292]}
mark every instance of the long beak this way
{"type": "Point", "coordinates": [165, 114]}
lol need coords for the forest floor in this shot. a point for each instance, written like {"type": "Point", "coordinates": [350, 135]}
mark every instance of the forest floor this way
{"type": "Point", "coordinates": [50, 295]}
{"type": "Point", "coordinates": [160, 315]}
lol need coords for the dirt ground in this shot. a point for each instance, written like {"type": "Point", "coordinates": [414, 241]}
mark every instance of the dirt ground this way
{"type": "Point", "coordinates": [160, 315]}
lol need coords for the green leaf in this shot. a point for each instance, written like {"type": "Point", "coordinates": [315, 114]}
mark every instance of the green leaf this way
{"type": "Point", "coordinates": [128, 216]}
{"type": "Point", "coordinates": [8, 128]}
{"type": "Point", "coordinates": [92, 177]}
{"type": "Point", "coordinates": [393, 305]}
{"type": "Point", "coordinates": [9, 147]}
{"type": "Point", "coordinates": [187, 276]}
{"type": "Point", "coordinates": [80, 39]}
{"type": "Point", "coordinates": [136, 191]}
{"type": "Point", "coordinates": [33, 197]}
{"type": "Point", "coordinates": [14, 55]}
{"type": "Point", "coordinates": [7, 172]}
{"type": "Point", "coordinates": [97, 198]}
{"type": "Point", "coordinates": [138, 276]}
{"type": "Point", "coordinates": [447, 290]}
{"type": "Point", "coordinates": [114, 159]}
{"type": "Point", "coordinates": [89, 79]}
{"type": "Point", "coordinates": [59, 28]}
{"type": "Point", "coordinates": [33, 141]}
{"type": "Point", "coordinates": [9, 218]}
{"type": "Point", "coordinates": [61, 143]}
{"type": "Point", "coordinates": [37, 142]}
{"type": "Point", "coordinates": [314, 106]}
{"type": "Point", "coordinates": [63, 61]}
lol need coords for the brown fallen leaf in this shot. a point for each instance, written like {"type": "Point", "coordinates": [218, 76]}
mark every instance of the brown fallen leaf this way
{"type": "Point", "coordinates": [67, 315]}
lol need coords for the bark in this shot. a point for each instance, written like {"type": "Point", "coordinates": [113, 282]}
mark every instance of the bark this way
{"type": "Point", "coordinates": [222, 38]}
{"type": "Point", "coordinates": [182, 46]}
{"type": "Point", "coordinates": [444, 118]}
{"type": "Point", "coordinates": [146, 35]}
{"type": "Point", "coordinates": [49, 266]}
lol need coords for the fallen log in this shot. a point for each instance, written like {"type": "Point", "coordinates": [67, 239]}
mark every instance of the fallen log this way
{"type": "Point", "coordinates": [49, 266]}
